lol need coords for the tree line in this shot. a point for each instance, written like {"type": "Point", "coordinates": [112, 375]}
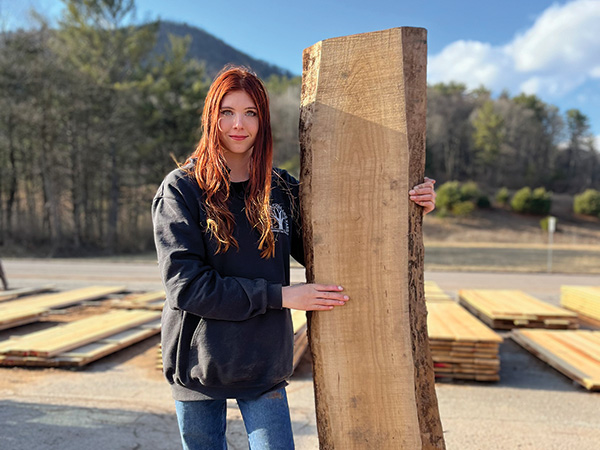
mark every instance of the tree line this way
{"type": "Point", "coordinates": [91, 119]}
{"type": "Point", "coordinates": [509, 141]}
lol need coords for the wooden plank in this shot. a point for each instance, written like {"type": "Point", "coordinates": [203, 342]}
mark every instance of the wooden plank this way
{"type": "Point", "coordinates": [15, 293]}
{"type": "Point", "coordinates": [87, 353]}
{"type": "Point", "coordinates": [61, 338]}
{"type": "Point", "coordinates": [584, 300]}
{"type": "Point", "coordinates": [433, 293]}
{"type": "Point", "coordinates": [575, 353]}
{"type": "Point", "coordinates": [362, 129]}
{"type": "Point", "coordinates": [148, 300]}
{"type": "Point", "coordinates": [91, 352]}
{"type": "Point", "coordinates": [451, 321]}
{"type": "Point", "coordinates": [30, 309]}
{"type": "Point", "coordinates": [507, 309]}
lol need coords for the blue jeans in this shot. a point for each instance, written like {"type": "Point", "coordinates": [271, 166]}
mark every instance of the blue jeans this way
{"type": "Point", "coordinates": [266, 418]}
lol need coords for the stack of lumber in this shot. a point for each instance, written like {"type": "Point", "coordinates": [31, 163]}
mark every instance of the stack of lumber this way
{"type": "Point", "coordinates": [30, 309]}
{"type": "Point", "coordinates": [584, 300]}
{"type": "Point", "coordinates": [575, 353]}
{"type": "Point", "coordinates": [148, 300]}
{"type": "Point", "coordinates": [433, 293]}
{"type": "Point", "coordinates": [461, 346]}
{"type": "Point", "coordinates": [82, 341]}
{"type": "Point", "coordinates": [508, 309]}
{"type": "Point", "coordinates": [14, 293]}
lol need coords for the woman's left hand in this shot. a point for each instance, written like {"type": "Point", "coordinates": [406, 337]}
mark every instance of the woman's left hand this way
{"type": "Point", "coordinates": [424, 195]}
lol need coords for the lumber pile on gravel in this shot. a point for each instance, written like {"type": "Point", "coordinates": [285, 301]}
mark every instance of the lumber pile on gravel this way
{"type": "Point", "coordinates": [82, 341]}
{"type": "Point", "coordinates": [575, 353]}
{"type": "Point", "coordinates": [584, 300]}
{"type": "Point", "coordinates": [508, 309]}
{"type": "Point", "coordinates": [461, 346]}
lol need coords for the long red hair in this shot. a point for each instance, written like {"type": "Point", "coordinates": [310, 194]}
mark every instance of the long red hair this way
{"type": "Point", "coordinates": [210, 168]}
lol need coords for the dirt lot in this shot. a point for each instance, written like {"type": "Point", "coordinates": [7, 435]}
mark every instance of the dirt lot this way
{"type": "Point", "coordinates": [122, 402]}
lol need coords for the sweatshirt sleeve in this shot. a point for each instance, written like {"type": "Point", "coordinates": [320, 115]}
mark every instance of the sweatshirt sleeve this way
{"type": "Point", "coordinates": [190, 283]}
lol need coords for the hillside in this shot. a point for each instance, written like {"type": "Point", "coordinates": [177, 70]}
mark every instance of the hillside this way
{"type": "Point", "coordinates": [212, 51]}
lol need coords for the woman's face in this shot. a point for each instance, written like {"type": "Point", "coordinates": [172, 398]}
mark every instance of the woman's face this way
{"type": "Point", "coordinates": [238, 122]}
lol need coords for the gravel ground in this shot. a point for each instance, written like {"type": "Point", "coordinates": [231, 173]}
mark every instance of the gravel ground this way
{"type": "Point", "coordinates": [122, 402]}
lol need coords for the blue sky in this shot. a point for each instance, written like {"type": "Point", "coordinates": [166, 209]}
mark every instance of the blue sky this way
{"type": "Point", "coordinates": [547, 48]}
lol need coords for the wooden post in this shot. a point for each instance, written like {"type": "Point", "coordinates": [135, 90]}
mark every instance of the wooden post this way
{"type": "Point", "coordinates": [362, 133]}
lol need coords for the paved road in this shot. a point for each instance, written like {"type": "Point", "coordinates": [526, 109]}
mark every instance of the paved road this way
{"type": "Point", "coordinates": [121, 401]}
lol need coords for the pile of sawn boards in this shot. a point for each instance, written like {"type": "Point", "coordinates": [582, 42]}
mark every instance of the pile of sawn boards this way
{"type": "Point", "coordinates": [508, 309]}
{"type": "Point", "coordinates": [74, 343]}
{"type": "Point", "coordinates": [575, 353]}
{"type": "Point", "coordinates": [461, 346]}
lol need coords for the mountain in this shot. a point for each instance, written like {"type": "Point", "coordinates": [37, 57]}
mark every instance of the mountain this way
{"type": "Point", "coordinates": [212, 51]}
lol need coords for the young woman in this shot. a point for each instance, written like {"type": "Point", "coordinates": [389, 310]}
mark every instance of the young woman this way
{"type": "Point", "coordinates": [225, 226]}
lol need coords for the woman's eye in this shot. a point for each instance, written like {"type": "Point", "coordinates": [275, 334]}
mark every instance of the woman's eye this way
{"type": "Point", "coordinates": [226, 112]}
{"type": "Point", "coordinates": [251, 113]}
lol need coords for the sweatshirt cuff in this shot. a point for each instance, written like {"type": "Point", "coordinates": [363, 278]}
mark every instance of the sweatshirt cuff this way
{"type": "Point", "coordinates": [274, 300]}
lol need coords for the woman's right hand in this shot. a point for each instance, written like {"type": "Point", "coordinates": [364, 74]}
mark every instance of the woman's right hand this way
{"type": "Point", "coordinates": [313, 297]}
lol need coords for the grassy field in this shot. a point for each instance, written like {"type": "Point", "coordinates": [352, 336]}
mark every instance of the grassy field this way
{"type": "Point", "coordinates": [512, 258]}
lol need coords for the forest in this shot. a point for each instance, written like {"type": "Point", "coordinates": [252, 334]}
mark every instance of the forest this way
{"type": "Point", "coordinates": [92, 118]}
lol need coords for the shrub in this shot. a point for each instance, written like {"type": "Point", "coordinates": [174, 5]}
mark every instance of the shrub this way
{"type": "Point", "coordinates": [469, 191]}
{"type": "Point", "coordinates": [459, 199]}
{"type": "Point", "coordinates": [483, 202]}
{"type": "Point", "coordinates": [502, 196]}
{"type": "Point", "coordinates": [463, 208]}
{"type": "Point", "coordinates": [587, 203]}
{"type": "Point", "coordinates": [541, 201]}
{"type": "Point", "coordinates": [521, 201]}
{"type": "Point", "coordinates": [537, 202]}
{"type": "Point", "coordinates": [448, 194]}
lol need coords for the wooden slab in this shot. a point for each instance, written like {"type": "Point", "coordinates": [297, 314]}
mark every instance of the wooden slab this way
{"type": "Point", "coordinates": [508, 309]}
{"type": "Point", "coordinates": [575, 353]}
{"type": "Point", "coordinates": [362, 133]}
{"type": "Point", "coordinates": [584, 300]}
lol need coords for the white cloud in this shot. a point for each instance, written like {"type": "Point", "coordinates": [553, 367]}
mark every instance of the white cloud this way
{"type": "Point", "coordinates": [473, 63]}
{"type": "Point", "coordinates": [559, 53]}
{"type": "Point", "coordinates": [563, 38]}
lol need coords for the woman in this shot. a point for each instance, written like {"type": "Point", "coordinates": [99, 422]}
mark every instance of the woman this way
{"type": "Point", "coordinates": [225, 226]}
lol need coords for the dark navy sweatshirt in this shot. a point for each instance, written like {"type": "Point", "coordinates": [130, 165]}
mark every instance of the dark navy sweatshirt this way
{"type": "Point", "coordinates": [224, 332]}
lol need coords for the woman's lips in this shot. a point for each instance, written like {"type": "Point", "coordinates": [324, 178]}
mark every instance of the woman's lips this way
{"type": "Point", "coordinates": [237, 138]}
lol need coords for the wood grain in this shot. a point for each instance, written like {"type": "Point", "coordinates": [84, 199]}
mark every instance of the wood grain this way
{"type": "Point", "coordinates": [362, 133]}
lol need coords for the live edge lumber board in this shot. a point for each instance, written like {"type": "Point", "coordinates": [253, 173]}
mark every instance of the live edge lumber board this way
{"type": "Point", "coordinates": [362, 139]}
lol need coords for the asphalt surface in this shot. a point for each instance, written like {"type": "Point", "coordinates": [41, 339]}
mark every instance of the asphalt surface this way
{"type": "Point", "coordinates": [122, 402]}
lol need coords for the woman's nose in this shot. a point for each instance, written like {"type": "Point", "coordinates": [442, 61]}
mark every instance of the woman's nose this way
{"type": "Point", "coordinates": [237, 121]}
